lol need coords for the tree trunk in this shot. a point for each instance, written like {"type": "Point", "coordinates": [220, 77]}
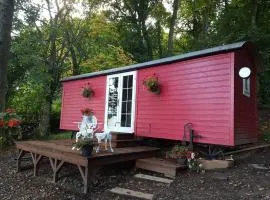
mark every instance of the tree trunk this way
{"type": "Point", "coordinates": [205, 22]}
{"type": "Point", "coordinates": [196, 29]}
{"type": "Point", "coordinates": [172, 26]}
{"type": "Point", "coordinates": [44, 121]}
{"type": "Point", "coordinates": [159, 38]}
{"type": "Point", "coordinates": [148, 41]}
{"type": "Point", "coordinates": [6, 16]}
{"type": "Point", "coordinates": [50, 85]}
{"type": "Point", "coordinates": [75, 65]}
{"type": "Point", "coordinates": [254, 14]}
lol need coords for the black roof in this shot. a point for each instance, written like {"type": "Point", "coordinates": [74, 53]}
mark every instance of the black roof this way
{"type": "Point", "coordinates": [181, 57]}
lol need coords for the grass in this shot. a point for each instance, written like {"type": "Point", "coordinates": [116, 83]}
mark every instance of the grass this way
{"type": "Point", "coordinates": [57, 136]}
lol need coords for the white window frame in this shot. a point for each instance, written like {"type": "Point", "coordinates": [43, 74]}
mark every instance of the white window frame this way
{"type": "Point", "coordinates": [246, 87]}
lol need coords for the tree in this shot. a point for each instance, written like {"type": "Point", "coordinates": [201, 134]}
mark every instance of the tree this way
{"type": "Point", "coordinates": [132, 16]}
{"type": "Point", "coordinates": [172, 26]}
{"type": "Point", "coordinates": [6, 16]}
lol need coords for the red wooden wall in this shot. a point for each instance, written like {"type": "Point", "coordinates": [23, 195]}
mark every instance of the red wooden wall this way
{"type": "Point", "coordinates": [73, 102]}
{"type": "Point", "coordinates": [198, 91]}
{"type": "Point", "coordinates": [206, 92]}
{"type": "Point", "coordinates": [245, 110]}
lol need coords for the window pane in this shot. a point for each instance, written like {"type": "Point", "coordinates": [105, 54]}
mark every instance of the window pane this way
{"type": "Point", "coordinates": [124, 94]}
{"type": "Point", "coordinates": [129, 94]}
{"type": "Point", "coordinates": [123, 120]}
{"type": "Point", "coordinates": [130, 81]}
{"type": "Point", "coordinates": [129, 103]}
{"type": "Point", "coordinates": [124, 107]}
{"type": "Point", "coordinates": [125, 81]}
{"type": "Point", "coordinates": [128, 118]}
{"type": "Point", "coordinates": [112, 101]}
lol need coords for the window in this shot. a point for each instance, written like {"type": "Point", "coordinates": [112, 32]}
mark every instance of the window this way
{"type": "Point", "coordinates": [246, 87]}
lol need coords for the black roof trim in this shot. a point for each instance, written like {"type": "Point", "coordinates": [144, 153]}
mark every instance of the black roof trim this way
{"type": "Point", "coordinates": [181, 57]}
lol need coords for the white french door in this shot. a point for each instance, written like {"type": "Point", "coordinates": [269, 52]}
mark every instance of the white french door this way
{"type": "Point", "coordinates": [120, 102]}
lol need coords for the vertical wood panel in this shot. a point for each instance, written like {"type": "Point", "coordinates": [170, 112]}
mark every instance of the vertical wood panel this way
{"type": "Point", "coordinates": [245, 111]}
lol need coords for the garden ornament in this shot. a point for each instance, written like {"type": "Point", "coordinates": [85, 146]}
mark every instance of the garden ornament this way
{"type": "Point", "coordinates": [105, 135]}
{"type": "Point", "coordinates": [86, 128]}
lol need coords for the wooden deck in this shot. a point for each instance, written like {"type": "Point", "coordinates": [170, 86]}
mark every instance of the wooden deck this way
{"type": "Point", "coordinates": [60, 152]}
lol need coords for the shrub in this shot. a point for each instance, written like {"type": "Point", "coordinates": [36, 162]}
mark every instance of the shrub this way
{"type": "Point", "coordinates": [266, 136]}
{"type": "Point", "coordinates": [9, 127]}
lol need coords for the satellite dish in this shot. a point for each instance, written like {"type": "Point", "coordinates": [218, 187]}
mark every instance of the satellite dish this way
{"type": "Point", "coordinates": [244, 72]}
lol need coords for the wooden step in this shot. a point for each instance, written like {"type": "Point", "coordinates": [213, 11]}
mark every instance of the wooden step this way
{"type": "Point", "coordinates": [154, 164]}
{"type": "Point", "coordinates": [153, 178]}
{"type": "Point", "coordinates": [132, 193]}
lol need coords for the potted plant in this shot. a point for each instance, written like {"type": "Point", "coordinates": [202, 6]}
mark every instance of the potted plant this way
{"type": "Point", "coordinates": [178, 154]}
{"type": "Point", "coordinates": [87, 91]}
{"type": "Point", "coordinates": [152, 84]}
{"type": "Point", "coordinates": [86, 146]}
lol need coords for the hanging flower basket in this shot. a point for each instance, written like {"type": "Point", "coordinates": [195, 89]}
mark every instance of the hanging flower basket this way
{"type": "Point", "coordinates": [87, 91]}
{"type": "Point", "coordinates": [87, 111]}
{"type": "Point", "coordinates": [152, 84]}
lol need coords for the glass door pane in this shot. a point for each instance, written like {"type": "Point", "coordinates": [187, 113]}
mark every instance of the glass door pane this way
{"type": "Point", "coordinates": [126, 102]}
{"type": "Point", "coordinates": [113, 99]}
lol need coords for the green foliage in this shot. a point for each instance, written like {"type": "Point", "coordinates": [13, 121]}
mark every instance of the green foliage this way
{"type": "Point", "coordinates": [57, 136]}
{"type": "Point", "coordinates": [3, 142]}
{"type": "Point", "coordinates": [82, 143]}
{"type": "Point", "coordinates": [177, 151]}
{"type": "Point", "coordinates": [27, 100]}
{"type": "Point", "coordinates": [109, 58]}
{"type": "Point", "coordinates": [266, 136]}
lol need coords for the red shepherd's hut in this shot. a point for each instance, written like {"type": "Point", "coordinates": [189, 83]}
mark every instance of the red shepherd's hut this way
{"type": "Point", "coordinates": [202, 87]}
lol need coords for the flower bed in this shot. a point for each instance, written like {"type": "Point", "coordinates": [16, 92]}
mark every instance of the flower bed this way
{"type": "Point", "coordinates": [9, 127]}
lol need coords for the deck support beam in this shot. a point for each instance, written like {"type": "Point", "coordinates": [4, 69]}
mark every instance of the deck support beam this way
{"type": "Point", "coordinates": [35, 158]}
{"type": "Point", "coordinates": [19, 159]}
{"type": "Point", "coordinates": [56, 166]}
{"type": "Point", "coordinates": [85, 176]}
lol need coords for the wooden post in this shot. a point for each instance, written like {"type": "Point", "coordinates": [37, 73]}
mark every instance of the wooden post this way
{"type": "Point", "coordinates": [85, 177]}
{"type": "Point", "coordinates": [56, 166]}
{"type": "Point", "coordinates": [88, 175]}
{"type": "Point", "coordinates": [21, 154]}
{"type": "Point", "coordinates": [36, 158]}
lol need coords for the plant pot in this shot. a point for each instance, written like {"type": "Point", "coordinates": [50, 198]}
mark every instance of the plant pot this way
{"type": "Point", "coordinates": [155, 89]}
{"type": "Point", "coordinates": [87, 150]}
{"type": "Point", "coordinates": [181, 161]}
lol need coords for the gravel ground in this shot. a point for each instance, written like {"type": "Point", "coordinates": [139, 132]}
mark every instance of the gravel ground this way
{"type": "Point", "coordinates": [243, 181]}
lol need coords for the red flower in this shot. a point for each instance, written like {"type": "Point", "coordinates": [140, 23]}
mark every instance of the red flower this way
{"type": "Point", "coordinates": [2, 123]}
{"type": "Point", "coordinates": [13, 123]}
{"type": "Point", "coordinates": [86, 111]}
{"type": "Point", "coordinates": [188, 154]}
